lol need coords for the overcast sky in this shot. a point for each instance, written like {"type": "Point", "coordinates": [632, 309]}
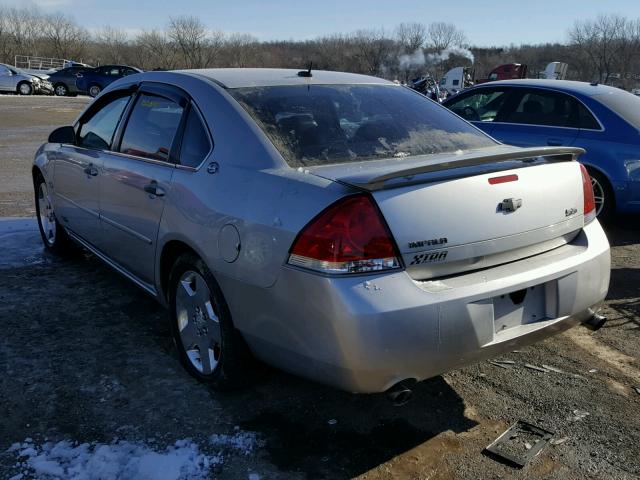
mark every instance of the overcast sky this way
{"type": "Point", "coordinates": [486, 23]}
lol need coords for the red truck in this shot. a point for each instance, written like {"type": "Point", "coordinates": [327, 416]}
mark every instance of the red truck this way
{"type": "Point", "coordinates": [506, 72]}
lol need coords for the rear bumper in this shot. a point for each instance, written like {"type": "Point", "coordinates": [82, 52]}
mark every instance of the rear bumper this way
{"type": "Point", "coordinates": [365, 334]}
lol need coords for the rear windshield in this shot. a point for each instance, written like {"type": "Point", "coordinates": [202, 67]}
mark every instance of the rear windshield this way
{"type": "Point", "coordinates": [625, 104]}
{"type": "Point", "coordinates": [325, 124]}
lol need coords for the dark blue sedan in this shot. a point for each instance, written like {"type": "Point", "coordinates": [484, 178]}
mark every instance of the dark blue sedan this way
{"type": "Point", "coordinates": [603, 120]}
{"type": "Point", "coordinates": [94, 80]}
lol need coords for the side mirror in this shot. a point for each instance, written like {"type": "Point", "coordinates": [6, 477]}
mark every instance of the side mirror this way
{"type": "Point", "coordinates": [63, 135]}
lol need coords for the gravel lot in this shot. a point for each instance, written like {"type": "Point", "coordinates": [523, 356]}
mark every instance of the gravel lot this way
{"type": "Point", "coordinates": [87, 357]}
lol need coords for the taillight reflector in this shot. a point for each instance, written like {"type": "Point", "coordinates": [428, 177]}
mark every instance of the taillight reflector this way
{"type": "Point", "coordinates": [503, 179]}
{"type": "Point", "coordinates": [349, 236]}
{"type": "Point", "coordinates": [589, 206]}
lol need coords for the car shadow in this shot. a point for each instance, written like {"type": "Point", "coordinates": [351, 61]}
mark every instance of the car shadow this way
{"type": "Point", "coordinates": [623, 230]}
{"type": "Point", "coordinates": [325, 433]}
{"type": "Point", "coordinates": [90, 358]}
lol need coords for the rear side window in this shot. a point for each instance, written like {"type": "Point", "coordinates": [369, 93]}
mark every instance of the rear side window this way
{"type": "Point", "coordinates": [624, 104]}
{"type": "Point", "coordinates": [195, 142]}
{"type": "Point", "coordinates": [482, 106]}
{"type": "Point", "coordinates": [539, 107]}
{"type": "Point", "coordinates": [151, 128]}
{"type": "Point", "coordinates": [325, 124]}
{"type": "Point", "coordinates": [586, 120]}
{"type": "Point", "coordinates": [97, 131]}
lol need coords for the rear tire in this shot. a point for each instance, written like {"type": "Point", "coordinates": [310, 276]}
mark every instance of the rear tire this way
{"type": "Point", "coordinates": [94, 90]}
{"type": "Point", "coordinates": [603, 194]}
{"type": "Point", "coordinates": [208, 345]}
{"type": "Point", "coordinates": [54, 236]}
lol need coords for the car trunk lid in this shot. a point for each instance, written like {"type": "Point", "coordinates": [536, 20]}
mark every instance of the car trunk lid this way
{"type": "Point", "coordinates": [473, 210]}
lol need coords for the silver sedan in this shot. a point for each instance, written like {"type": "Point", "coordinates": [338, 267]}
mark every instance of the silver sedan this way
{"type": "Point", "coordinates": [14, 80]}
{"type": "Point", "coordinates": [338, 226]}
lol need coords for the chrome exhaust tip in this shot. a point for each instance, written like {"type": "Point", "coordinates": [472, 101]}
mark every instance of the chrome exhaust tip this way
{"type": "Point", "coordinates": [400, 394]}
{"type": "Point", "coordinates": [595, 322]}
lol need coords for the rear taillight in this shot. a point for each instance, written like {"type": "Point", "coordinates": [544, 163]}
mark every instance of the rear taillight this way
{"type": "Point", "coordinates": [589, 200]}
{"type": "Point", "coordinates": [349, 236]}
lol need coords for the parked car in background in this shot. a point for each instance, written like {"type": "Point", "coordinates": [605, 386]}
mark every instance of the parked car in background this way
{"type": "Point", "coordinates": [93, 81]}
{"type": "Point", "coordinates": [16, 81]}
{"type": "Point", "coordinates": [341, 226]}
{"type": "Point", "coordinates": [64, 80]}
{"type": "Point", "coordinates": [603, 120]}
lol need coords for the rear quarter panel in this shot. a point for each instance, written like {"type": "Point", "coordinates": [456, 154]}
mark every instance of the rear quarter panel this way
{"type": "Point", "coordinates": [253, 190]}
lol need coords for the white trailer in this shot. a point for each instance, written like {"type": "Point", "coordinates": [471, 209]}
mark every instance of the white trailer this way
{"type": "Point", "coordinates": [555, 71]}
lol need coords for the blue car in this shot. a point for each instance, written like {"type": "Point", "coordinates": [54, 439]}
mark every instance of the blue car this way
{"type": "Point", "coordinates": [603, 120]}
{"type": "Point", "coordinates": [94, 80]}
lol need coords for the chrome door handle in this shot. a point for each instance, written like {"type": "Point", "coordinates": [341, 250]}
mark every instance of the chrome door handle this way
{"type": "Point", "coordinates": [91, 170]}
{"type": "Point", "coordinates": [153, 189]}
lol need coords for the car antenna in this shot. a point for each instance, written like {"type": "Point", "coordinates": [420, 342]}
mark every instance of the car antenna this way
{"type": "Point", "coordinates": [306, 73]}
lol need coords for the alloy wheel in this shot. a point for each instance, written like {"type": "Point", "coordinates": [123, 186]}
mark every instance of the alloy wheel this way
{"type": "Point", "coordinates": [598, 195]}
{"type": "Point", "coordinates": [61, 91]}
{"type": "Point", "coordinates": [25, 89]}
{"type": "Point", "coordinates": [46, 215]}
{"type": "Point", "coordinates": [94, 91]}
{"type": "Point", "coordinates": [198, 324]}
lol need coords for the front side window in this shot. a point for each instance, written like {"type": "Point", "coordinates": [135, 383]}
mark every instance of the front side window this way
{"type": "Point", "coordinates": [538, 107]}
{"type": "Point", "coordinates": [482, 106]}
{"type": "Point", "coordinates": [151, 128]}
{"type": "Point", "coordinates": [97, 131]}
{"type": "Point", "coordinates": [195, 142]}
{"type": "Point", "coordinates": [324, 124]}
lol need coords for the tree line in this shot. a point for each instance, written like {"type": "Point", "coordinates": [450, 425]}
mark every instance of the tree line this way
{"type": "Point", "coordinates": [606, 49]}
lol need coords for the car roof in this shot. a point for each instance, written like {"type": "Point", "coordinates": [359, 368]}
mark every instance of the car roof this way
{"type": "Point", "coordinates": [570, 86]}
{"type": "Point", "coordinates": [268, 77]}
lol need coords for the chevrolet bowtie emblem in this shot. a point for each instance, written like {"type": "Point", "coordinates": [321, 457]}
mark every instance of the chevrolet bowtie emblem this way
{"type": "Point", "coordinates": [510, 204]}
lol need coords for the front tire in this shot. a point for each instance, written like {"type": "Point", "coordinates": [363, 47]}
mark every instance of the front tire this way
{"type": "Point", "coordinates": [208, 345]}
{"type": "Point", "coordinates": [25, 88]}
{"type": "Point", "coordinates": [603, 195]}
{"type": "Point", "coordinates": [53, 234]}
{"type": "Point", "coordinates": [60, 90]}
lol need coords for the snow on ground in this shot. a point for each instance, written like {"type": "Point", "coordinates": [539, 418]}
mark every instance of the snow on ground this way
{"type": "Point", "coordinates": [123, 459]}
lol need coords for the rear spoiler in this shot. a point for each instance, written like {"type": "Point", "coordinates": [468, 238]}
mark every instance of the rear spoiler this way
{"type": "Point", "coordinates": [555, 154]}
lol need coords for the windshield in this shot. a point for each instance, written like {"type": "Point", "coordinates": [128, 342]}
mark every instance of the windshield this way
{"type": "Point", "coordinates": [324, 124]}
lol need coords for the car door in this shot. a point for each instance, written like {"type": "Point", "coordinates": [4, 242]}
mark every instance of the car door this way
{"type": "Point", "coordinates": [480, 106]}
{"type": "Point", "coordinates": [137, 179]}
{"type": "Point", "coordinates": [6, 80]}
{"type": "Point", "coordinates": [537, 117]}
{"type": "Point", "coordinates": [78, 168]}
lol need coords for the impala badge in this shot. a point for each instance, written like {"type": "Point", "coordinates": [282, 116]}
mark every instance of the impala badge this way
{"type": "Point", "coordinates": [510, 205]}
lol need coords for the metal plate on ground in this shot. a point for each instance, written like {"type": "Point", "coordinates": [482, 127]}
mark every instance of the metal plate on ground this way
{"type": "Point", "coordinates": [519, 444]}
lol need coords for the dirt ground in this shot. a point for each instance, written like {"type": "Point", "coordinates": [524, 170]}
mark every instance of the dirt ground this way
{"type": "Point", "coordinates": [85, 356]}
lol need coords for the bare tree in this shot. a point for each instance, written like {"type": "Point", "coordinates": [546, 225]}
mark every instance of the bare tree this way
{"type": "Point", "coordinates": [411, 36]}
{"type": "Point", "coordinates": [113, 44]}
{"type": "Point", "coordinates": [155, 50]}
{"type": "Point", "coordinates": [23, 27]}
{"type": "Point", "coordinates": [240, 50]}
{"type": "Point", "coordinates": [600, 41]}
{"type": "Point", "coordinates": [190, 36]}
{"type": "Point", "coordinates": [65, 39]}
{"type": "Point", "coordinates": [373, 48]}
{"type": "Point", "coordinates": [443, 35]}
